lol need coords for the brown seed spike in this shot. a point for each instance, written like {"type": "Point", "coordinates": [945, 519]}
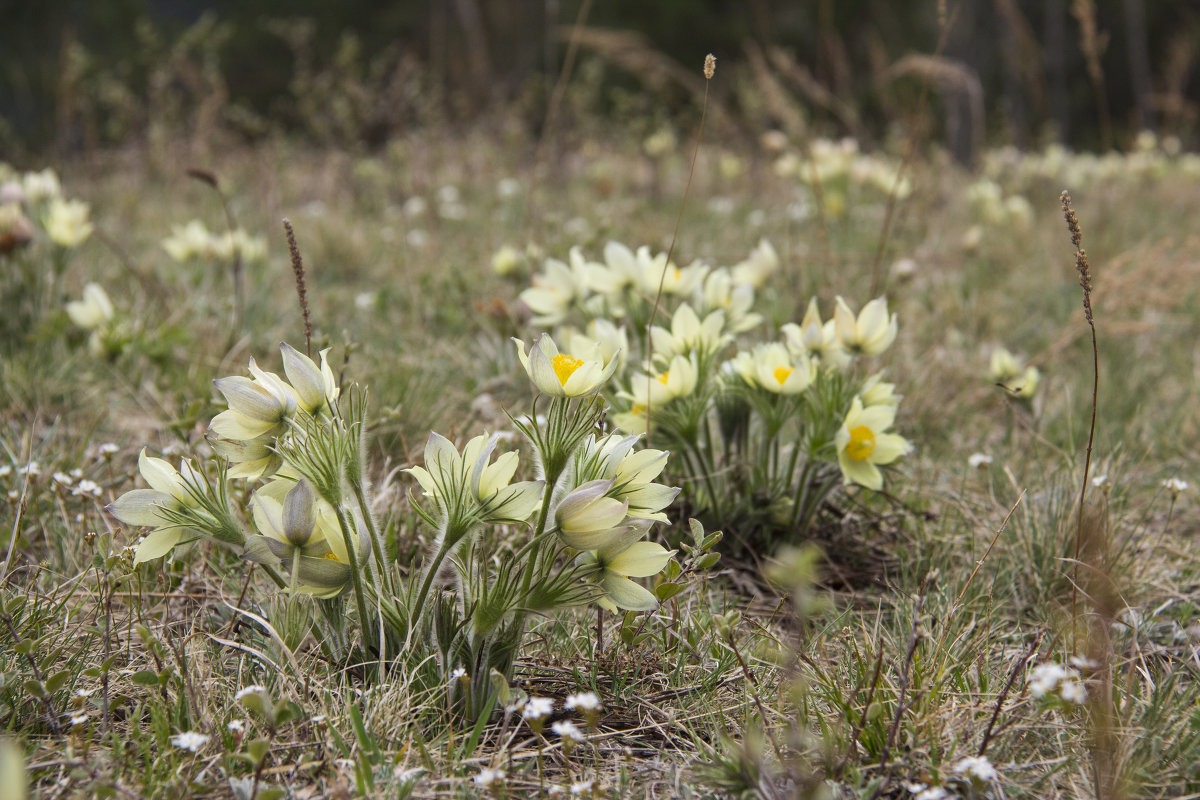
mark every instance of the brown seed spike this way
{"type": "Point", "coordinates": [710, 66]}
{"type": "Point", "coordinates": [301, 284]}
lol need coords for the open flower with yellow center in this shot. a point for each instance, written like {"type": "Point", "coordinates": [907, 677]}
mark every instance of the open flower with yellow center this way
{"type": "Point", "coordinates": [564, 375]}
{"type": "Point", "coordinates": [778, 371]}
{"type": "Point", "coordinates": [688, 333]}
{"type": "Point", "coordinates": [868, 334]}
{"type": "Point", "coordinates": [863, 443]}
{"type": "Point", "coordinates": [66, 222]}
{"type": "Point", "coordinates": [1012, 373]}
{"type": "Point", "coordinates": [469, 487]}
{"type": "Point", "coordinates": [621, 560]}
{"type": "Point", "coordinates": [677, 380]}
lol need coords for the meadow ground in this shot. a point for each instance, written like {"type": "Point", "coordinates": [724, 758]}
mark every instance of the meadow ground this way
{"type": "Point", "coordinates": [935, 601]}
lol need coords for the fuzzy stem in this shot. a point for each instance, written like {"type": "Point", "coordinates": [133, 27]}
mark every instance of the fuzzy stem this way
{"type": "Point", "coordinates": [373, 534]}
{"type": "Point", "coordinates": [355, 576]}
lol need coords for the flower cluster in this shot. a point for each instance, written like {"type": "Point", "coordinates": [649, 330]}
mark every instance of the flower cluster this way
{"type": "Point", "coordinates": [194, 242]}
{"type": "Point", "coordinates": [37, 197]}
{"type": "Point", "coordinates": [753, 418]}
{"type": "Point", "coordinates": [1054, 680]}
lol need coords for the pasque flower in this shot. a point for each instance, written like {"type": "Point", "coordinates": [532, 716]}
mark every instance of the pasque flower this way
{"type": "Point", "coordinates": [621, 560]}
{"type": "Point", "coordinates": [469, 487]}
{"type": "Point", "coordinates": [66, 222]}
{"type": "Point", "coordinates": [561, 374]}
{"type": "Point", "coordinates": [94, 311]}
{"type": "Point", "coordinates": [301, 530]}
{"type": "Point", "coordinates": [779, 372]}
{"type": "Point", "coordinates": [172, 496]}
{"type": "Point", "coordinates": [315, 387]}
{"type": "Point", "coordinates": [257, 407]}
{"type": "Point", "coordinates": [870, 333]}
{"type": "Point", "coordinates": [588, 518]}
{"type": "Point", "coordinates": [862, 443]}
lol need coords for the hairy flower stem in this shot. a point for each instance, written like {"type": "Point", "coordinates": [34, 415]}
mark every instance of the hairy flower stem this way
{"type": "Point", "coordinates": [364, 507]}
{"type": "Point", "coordinates": [355, 575]}
{"type": "Point", "coordinates": [434, 566]}
{"type": "Point", "coordinates": [531, 562]}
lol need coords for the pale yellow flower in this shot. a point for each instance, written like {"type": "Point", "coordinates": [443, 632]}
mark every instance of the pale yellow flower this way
{"type": "Point", "coordinates": [816, 338]}
{"type": "Point", "coordinates": [617, 563]}
{"type": "Point", "coordinates": [562, 374]}
{"type": "Point", "coordinates": [1012, 373]}
{"type": "Point", "coordinates": [778, 371]}
{"type": "Point", "coordinates": [188, 242]}
{"type": "Point", "coordinates": [558, 289]}
{"type": "Point", "coordinates": [471, 485]}
{"type": "Point", "coordinates": [862, 443]}
{"type": "Point", "coordinates": [688, 333]}
{"type": "Point", "coordinates": [677, 380]}
{"type": "Point", "coordinates": [315, 387]}
{"type": "Point", "coordinates": [736, 299]}
{"type": "Point", "coordinates": [94, 311]}
{"type": "Point", "coordinates": [66, 222]}
{"type": "Point", "coordinates": [870, 333]}
{"type": "Point", "coordinates": [759, 266]}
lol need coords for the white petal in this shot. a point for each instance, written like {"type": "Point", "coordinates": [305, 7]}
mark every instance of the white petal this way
{"type": "Point", "coordinates": [157, 544]}
{"type": "Point", "coordinates": [641, 560]}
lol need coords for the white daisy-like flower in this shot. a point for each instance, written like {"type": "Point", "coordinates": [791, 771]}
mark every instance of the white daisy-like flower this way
{"type": "Point", "coordinates": [1175, 485]}
{"type": "Point", "coordinates": [979, 460]}
{"type": "Point", "coordinates": [538, 707]}
{"type": "Point", "coordinates": [487, 777]}
{"type": "Point", "coordinates": [190, 741]}
{"type": "Point", "coordinates": [582, 787]}
{"type": "Point", "coordinates": [458, 674]}
{"type": "Point", "coordinates": [236, 726]}
{"type": "Point", "coordinates": [85, 487]}
{"type": "Point", "coordinates": [568, 730]}
{"type": "Point", "coordinates": [107, 449]}
{"type": "Point", "coordinates": [977, 768]}
{"type": "Point", "coordinates": [583, 701]}
{"type": "Point", "coordinates": [1101, 481]}
{"type": "Point", "coordinates": [78, 719]}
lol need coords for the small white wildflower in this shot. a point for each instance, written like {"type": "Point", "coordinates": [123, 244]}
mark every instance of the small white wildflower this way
{"type": "Point", "coordinates": [568, 730]}
{"type": "Point", "coordinates": [979, 460]}
{"type": "Point", "coordinates": [1083, 662]}
{"type": "Point", "coordinates": [1072, 691]}
{"type": "Point", "coordinates": [1045, 678]}
{"type": "Point", "coordinates": [78, 719]}
{"type": "Point", "coordinates": [319, 719]}
{"type": "Point", "coordinates": [84, 693]}
{"type": "Point", "coordinates": [932, 793]}
{"type": "Point", "coordinates": [365, 301]}
{"type": "Point", "coordinates": [107, 449]}
{"type": "Point", "coordinates": [406, 775]}
{"type": "Point", "coordinates": [12, 494]}
{"type": "Point", "coordinates": [76, 473]}
{"type": "Point", "coordinates": [458, 674]}
{"type": "Point", "coordinates": [86, 486]}
{"type": "Point", "coordinates": [253, 689]}
{"type": "Point", "coordinates": [32, 468]}
{"type": "Point", "coordinates": [583, 701]}
{"type": "Point", "coordinates": [582, 787]}
{"type": "Point", "coordinates": [487, 777]}
{"type": "Point", "coordinates": [415, 206]}
{"type": "Point", "coordinates": [236, 726]}
{"type": "Point", "coordinates": [538, 707]}
{"type": "Point", "coordinates": [977, 768]}
{"type": "Point", "coordinates": [62, 478]}
{"type": "Point", "coordinates": [1175, 485]}
{"type": "Point", "coordinates": [1101, 481]}
{"type": "Point", "coordinates": [417, 238]}
{"type": "Point", "coordinates": [5, 470]}
{"type": "Point", "coordinates": [189, 740]}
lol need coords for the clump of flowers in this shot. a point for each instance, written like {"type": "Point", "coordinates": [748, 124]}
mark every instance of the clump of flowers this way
{"type": "Point", "coordinates": [1054, 682]}
{"type": "Point", "coordinates": [1011, 373]}
{"type": "Point", "coordinates": [765, 431]}
{"type": "Point", "coordinates": [510, 548]}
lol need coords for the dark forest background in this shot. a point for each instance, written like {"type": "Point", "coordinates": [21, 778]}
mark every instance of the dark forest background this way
{"type": "Point", "coordinates": [82, 74]}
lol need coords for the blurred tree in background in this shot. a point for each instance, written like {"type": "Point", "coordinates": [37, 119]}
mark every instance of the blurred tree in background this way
{"type": "Point", "coordinates": [79, 74]}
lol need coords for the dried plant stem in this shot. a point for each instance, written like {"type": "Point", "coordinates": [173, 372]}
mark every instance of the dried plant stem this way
{"type": "Point", "coordinates": [301, 284]}
{"type": "Point", "coordinates": [1085, 283]}
{"type": "Point", "coordinates": [709, 69]}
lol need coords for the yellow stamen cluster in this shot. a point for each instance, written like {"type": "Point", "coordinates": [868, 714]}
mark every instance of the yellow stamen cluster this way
{"type": "Point", "coordinates": [666, 376]}
{"type": "Point", "coordinates": [861, 444]}
{"type": "Point", "coordinates": [783, 373]}
{"type": "Point", "coordinates": [564, 365]}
